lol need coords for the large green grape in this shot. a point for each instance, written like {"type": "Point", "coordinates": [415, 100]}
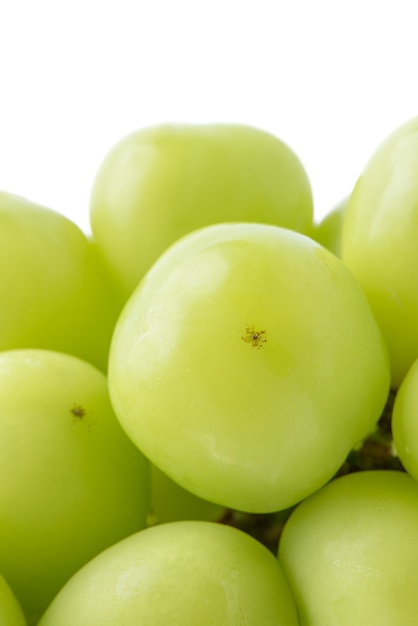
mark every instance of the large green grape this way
{"type": "Point", "coordinates": [178, 574]}
{"type": "Point", "coordinates": [54, 291]}
{"type": "Point", "coordinates": [350, 551]}
{"type": "Point", "coordinates": [11, 613]}
{"type": "Point", "coordinates": [158, 183]}
{"type": "Point", "coordinates": [247, 364]}
{"type": "Point", "coordinates": [71, 481]}
{"type": "Point", "coordinates": [379, 242]}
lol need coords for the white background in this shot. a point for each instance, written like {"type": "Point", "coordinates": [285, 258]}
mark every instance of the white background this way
{"type": "Point", "coordinates": [330, 78]}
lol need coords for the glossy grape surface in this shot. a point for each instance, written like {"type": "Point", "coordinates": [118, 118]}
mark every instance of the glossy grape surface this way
{"type": "Point", "coordinates": [183, 573]}
{"type": "Point", "coordinates": [54, 292]}
{"type": "Point", "coordinates": [247, 364]}
{"type": "Point", "coordinates": [379, 242]}
{"type": "Point", "coordinates": [71, 481]}
{"type": "Point", "coordinates": [159, 183]}
{"type": "Point", "coordinates": [350, 551]}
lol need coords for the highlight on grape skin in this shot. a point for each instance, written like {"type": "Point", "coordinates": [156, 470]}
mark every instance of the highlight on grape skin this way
{"type": "Point", "coordinates": [184, 572]}
{"type": "Point", "coordinates": [219, 378]}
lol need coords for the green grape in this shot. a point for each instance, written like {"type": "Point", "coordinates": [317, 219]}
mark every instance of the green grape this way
{"type": "Point", "coordinates": [11, 613]}
{"type": "Point", "coordinates": [247, 364]}
{"type": "Point", "coordinates": [170, 502]}
{"type": "Point", "coordinates": [183, 573]}
{"type": "Point", "coordinates": [350, 551]}
{"type": "Point", "coordinates": [328, 231]}
{"type": "Point", "coordinates": [71, 481]}
{"type": "Point", "coordinates": [404, 421]}
{"type": "Point", "coordinates": [379, 242]}
{"type": "Point", "coordinates": [54, 291]}
{"type": "Point", "coordinates": [158, 183]}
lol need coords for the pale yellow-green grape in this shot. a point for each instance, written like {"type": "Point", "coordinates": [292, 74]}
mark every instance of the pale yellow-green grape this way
{"type": "Point", "coordinates": [71, 482]}
{"type": "Point", "coordinates": [158, 183]}
{"type": "Point", "coordinates": [379, 242]}
{"type": "Point", "coordinates": [247, 364]}
{"type": "Point", "coordinates": [186, 573]}
{"type": "Point", "coordinates": [11, 613]}
{"type": "Point", "coordinates": [170, 502]}
{"type": "Point", "coordinates": [350, 551]}
{"type": "Point", "coordinates": [405, 422]}
{"type": "Point", "coordinates": [328, 231]}
{"type": "Point", "coordinates": [54, 291]}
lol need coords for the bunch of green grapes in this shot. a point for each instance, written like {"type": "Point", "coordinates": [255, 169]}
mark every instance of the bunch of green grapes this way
{"type": "Point", "coordinates": [208, 407]}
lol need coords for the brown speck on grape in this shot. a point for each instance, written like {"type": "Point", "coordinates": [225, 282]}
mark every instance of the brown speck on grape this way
{"type": "Point", "coordinates": [78, 411]}
{"type": "Point", "coordinates": [255, 337]}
